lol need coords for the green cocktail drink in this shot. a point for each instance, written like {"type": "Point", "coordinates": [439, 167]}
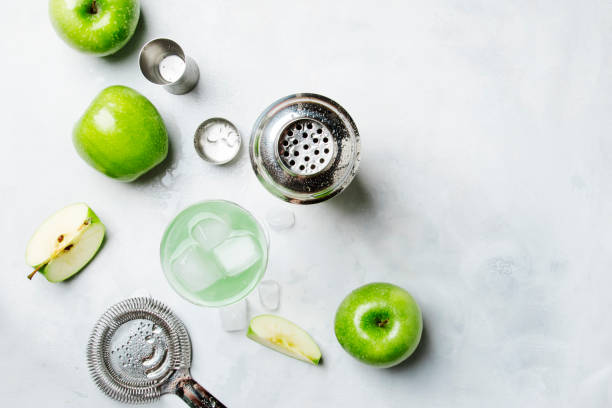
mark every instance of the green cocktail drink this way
{"type": "Point", "coordinates": [214, 253]}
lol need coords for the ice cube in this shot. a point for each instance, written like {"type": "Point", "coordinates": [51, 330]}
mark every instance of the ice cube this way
{"type": "Point", "coordinates": [195, 269]}
{"type": "Point", "coordinates": [280, 219]}
{"type": "Point", "coordinates": [234, 317]}
{"type": "Point", "coordinates": [209, 231]}
{"type": "Point", "coordinates": [237, 254]}
{"type": "Point", "coordinates": [231, 139]}
{"type": "Point", "coordinates": [269, 294]}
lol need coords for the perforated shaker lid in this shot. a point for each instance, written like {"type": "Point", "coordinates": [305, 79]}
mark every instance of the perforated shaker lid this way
{"type": "Point", "coordinates": [305, 148]}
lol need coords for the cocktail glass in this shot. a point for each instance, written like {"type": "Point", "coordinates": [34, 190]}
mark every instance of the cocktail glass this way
{"type": "Point", "coordinates": [214, 253]}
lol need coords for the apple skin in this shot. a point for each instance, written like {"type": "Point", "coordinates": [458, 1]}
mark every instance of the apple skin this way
{"type": "Point", "coordinates": [101, 33]}
{"type": "Point", "coordinates": [121, 134]}
{"type": "Point", "coordinates": [379, 324]}
{"type": "Point", "coordinates": [284, 336]}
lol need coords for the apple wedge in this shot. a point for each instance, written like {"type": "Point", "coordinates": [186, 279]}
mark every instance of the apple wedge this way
{"type": "Point", "coordinates": [65, 242]}
{"type": "Point", "coordinates": [285, 337]}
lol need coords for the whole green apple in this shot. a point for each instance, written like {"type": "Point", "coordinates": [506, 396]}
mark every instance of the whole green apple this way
{"type": "Point", "coordinates": [98, 27]}
{"type": "Point", "coordinates": [379, 324]}
{"type": "Point", "coordinates": [121, 134]}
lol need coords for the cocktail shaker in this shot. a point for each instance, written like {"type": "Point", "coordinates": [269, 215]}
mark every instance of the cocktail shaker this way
{"type": "Point", "coordinates": [305, 148]}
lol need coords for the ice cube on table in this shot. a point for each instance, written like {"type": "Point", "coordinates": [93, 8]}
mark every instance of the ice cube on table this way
{"type": "Point", "coordinates": [269, 294]}
{"type": "Point", "coordinates": [208, 231]}
{"type": "Point", "coordinates": [195, 269]}
{"type": "Point", "coordinates": [280, 219]}
{"type": "Point", "coordinates": [234, 317]}
{"type": "Point", "coordinates": [237, 254]}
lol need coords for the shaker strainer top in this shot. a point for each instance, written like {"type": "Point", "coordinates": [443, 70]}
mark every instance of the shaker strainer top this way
{"type": "Point", "coordinates": [139, 350]}
{"type": "Point", "coordinates": [305, 148]}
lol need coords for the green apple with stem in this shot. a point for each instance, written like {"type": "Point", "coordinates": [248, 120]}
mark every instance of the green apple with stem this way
{"type": "Point", "coordinates": [121, 134]}
{"type": "Point", "coordinates": [379, 324]}
{"type": "Point", "coordinates": [284, 336]}
{"type": "Point", "coordinates": [65, 242]}
{"type": "Point", "coordinates": [98, 27]}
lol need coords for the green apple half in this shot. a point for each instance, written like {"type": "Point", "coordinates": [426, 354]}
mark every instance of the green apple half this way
{"type": "Point", "coordinates": [121, 134]}
{"type": "Point", "coordinates": [98, 27]}
{"type": "Point", "coordinates": [65, 242]}
{"type": "Point", "coordinates": [379, 324]}
{"type": "Point", "coordinates": [285, 337]}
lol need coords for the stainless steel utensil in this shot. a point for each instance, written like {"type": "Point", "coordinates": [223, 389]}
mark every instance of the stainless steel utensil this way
{"type": "Point", "coordinates": [163, 62]}
{"type": "Point", "coordinates": [305, 148]}
{"type": "Point", "coordinates": [139, 350]}
{"type": "Point", "coordinates": [217, 141]}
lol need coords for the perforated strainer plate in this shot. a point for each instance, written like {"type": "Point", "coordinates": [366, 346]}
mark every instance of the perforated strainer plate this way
{"type": "Point", "coordinates": [139, 350]}
{"type": "Point", "coordinates": [305, 148]}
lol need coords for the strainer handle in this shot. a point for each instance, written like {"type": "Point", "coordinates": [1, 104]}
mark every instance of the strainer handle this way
{"type": "Point", "coordinates": [195, 395]}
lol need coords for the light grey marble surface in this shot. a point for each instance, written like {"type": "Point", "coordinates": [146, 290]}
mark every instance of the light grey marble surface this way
{"type": "Point", "coordinates": [485, 189]}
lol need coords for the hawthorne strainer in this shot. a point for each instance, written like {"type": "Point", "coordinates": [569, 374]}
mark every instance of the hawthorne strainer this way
{"type": "Point", "coordinates": [305, 148]}
{"type": "Point", "coordinates": [139, 350]}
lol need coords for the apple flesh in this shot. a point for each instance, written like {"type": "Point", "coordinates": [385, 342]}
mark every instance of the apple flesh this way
{"type": "Point", "coordinates": [379, 324]}
{"type": "Point", "coordinates": [121, 134]}
{"type": "Point", "coordinates": [98, 27]}
{"type": "Point", "coordinates": [285, 337]}
{"type": "Point", "coordinates": [65, 242]}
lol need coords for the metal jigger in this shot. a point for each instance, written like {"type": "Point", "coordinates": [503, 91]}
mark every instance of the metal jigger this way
{"type": "Point", "coordinates": [163, 62]}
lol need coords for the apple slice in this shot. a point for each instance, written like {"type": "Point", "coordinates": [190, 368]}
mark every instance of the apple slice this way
{"type": "Point", "coordinates": [65, 242]}
{"type": "Point", "coordinates": [285, 337]}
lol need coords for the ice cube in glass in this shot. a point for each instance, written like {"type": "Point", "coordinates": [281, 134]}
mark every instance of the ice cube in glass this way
{"type": "Point", "coordinates": [237, 254]}
{"type": "Point", "coordinates": [195, 269]}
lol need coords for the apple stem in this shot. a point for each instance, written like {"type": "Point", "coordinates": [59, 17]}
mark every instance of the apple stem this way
{"type": "Point", "coordinates": [31, 275]}
{"type": "Point", "coordinates": [94, 7]}
{"type": "Point", "coordinates": [382, 323]}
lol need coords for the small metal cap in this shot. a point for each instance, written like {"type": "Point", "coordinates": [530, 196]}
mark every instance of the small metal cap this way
{"type": "Point", "coordinates": [305, 148]}
{"type": "Point", "coordinates": [217, 140]}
